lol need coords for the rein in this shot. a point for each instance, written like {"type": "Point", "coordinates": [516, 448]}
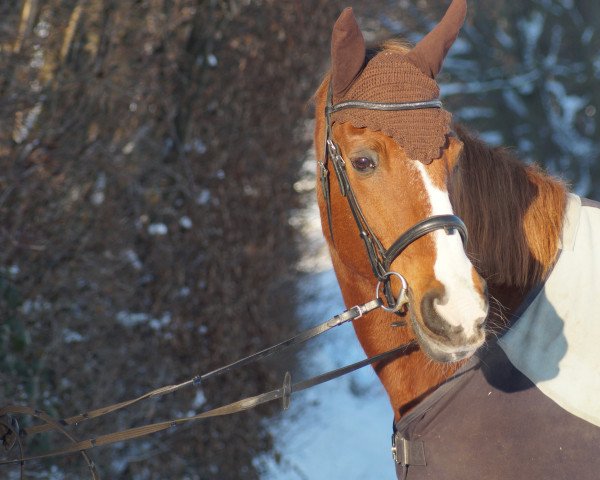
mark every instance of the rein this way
{"type": "Point", "coordinates": [380, 258]}
{"type": "Point", "coordinates": [11, 434]}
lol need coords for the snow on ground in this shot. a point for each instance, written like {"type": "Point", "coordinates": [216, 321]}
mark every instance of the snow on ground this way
{"type": "Point", "coordinates": [341, 429]}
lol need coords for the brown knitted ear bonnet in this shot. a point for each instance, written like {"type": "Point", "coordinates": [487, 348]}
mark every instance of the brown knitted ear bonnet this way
{"type": "Point", "coordinates": [394, 77]}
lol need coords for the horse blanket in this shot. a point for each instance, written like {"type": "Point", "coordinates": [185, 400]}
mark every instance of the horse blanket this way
{"type": "Point", "coordinates": [526, 406]}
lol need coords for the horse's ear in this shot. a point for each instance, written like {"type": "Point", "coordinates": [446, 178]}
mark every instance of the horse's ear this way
{"type": "Point", "coordinates": [430, 52]}
{"type": "Point", "coordinates": [347, 51]}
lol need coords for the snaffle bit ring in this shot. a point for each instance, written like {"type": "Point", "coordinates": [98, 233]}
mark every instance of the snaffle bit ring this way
{"type": "Point", "coordinates": [402, 298]}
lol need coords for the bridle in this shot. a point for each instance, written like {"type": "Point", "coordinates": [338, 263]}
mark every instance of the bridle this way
{"type": "Point", "coordinates": [381, 258]}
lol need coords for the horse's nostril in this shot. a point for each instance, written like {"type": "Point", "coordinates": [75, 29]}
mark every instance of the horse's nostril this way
{"type": "Point", "coordinates": [456, 322]}
{"type": "Point", "coordinates": [432, 318]}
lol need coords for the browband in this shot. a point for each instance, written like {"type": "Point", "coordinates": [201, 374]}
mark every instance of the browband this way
{"type": "Point", "coordinates": [385, 107]}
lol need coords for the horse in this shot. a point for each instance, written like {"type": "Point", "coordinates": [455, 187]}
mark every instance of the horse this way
{"type": "Point", "coordinates": [487, 261]}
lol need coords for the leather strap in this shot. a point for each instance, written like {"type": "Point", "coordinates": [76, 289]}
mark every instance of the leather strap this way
{"type": "Point", "coordinates": [352, 313]}
{"type": "Point", "coordinates": [283, 392]}
{"type": "Point", "coordinates": [384, 107]}
{"type": "Point", "coordinates": [12, 429]}
{"type": "Point", "coordinates": [436, 222]}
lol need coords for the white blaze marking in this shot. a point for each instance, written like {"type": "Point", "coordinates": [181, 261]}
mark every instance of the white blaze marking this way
{"type": "Point", "coordinates": [463, 305]}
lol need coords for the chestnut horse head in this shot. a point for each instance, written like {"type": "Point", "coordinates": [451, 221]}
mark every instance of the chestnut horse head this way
{"type": "Point", "coordinates": [381, 129]}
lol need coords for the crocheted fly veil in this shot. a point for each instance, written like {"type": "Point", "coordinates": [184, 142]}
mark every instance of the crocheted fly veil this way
{"type": "Point", "coordinates": [394, 77]}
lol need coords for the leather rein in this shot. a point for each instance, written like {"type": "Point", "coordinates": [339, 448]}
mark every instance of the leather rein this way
{"type": "Point", "coordinates": [380, 258]}
{"type": "Point", "coordinates": [11, 434]}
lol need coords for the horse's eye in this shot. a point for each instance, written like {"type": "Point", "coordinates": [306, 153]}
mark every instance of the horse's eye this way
{"type": "Point", "coordinates": [363, 164]}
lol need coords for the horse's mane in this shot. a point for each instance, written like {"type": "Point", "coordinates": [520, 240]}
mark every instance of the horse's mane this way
{"type": "Point", "coordinates": [513, 211]}
{"type": "Point", "coordinates": [395, 45]}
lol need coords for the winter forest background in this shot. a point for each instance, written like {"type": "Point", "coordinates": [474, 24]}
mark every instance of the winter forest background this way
{"type": "Point", "coordinates": [155, 210]}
